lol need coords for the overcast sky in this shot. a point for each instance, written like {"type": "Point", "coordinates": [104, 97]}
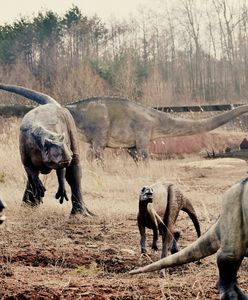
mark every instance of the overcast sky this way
{"type": "Point", "coordinates": [10, 10]}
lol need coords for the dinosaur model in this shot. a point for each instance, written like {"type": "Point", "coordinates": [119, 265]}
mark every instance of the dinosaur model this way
{"type": "Point", "coordinates": [159, 207]}
{"type": "Point", "coordinates": [113, 122]}
{"type": "Point", "coordinates": [241, 154]}
{"type": "Point", "coordinates": [121, 123]}
{"type": "Point", "coordinates": [228, 235]}
{"type": "Point", "coordinates": [48, 141]}
{"type": "Point", "coordinates": [2, 207]}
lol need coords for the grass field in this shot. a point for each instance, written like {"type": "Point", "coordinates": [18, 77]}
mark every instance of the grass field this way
{"type": "Point", "coordinates": [46, 254]}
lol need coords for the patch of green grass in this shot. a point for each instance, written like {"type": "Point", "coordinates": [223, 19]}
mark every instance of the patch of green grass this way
{"type": "Point", "coordinates": [92, 269]}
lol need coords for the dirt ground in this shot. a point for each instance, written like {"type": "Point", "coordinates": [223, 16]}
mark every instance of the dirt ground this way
{"type": "Point", "coordinates": [46, 254]}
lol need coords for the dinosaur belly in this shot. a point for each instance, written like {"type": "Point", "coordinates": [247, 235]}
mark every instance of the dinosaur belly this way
{"type": "Point", "coordinates": [121, 141]}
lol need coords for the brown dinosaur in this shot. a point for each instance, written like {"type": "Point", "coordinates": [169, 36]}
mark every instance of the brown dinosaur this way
{"type": "Point", "coordinates": [228, 235]}
{"type": "Point", "coordinates": [48, 141]}
{"type": "Point", "coordinates": [159, 207]}
{"type": "Point", "coordinates": [113, 122]}
{"type": "Point", "coordinates": [2, 207]}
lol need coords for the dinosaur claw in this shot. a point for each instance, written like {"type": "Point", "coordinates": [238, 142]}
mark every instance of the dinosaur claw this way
{"type": "Point", "coordinates": [61, 195]}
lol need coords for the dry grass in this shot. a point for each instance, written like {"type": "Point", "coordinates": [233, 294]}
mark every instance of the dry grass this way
{"type": "Point", "coordinates": [46, 254]}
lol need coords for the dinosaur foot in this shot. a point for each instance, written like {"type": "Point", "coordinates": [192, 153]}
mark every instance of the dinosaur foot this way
{"type": "Point", "coordinates": [30, 200]}
{"type": "Point", "coordinates": [232, 293]}
{"type": "Point", "coordinates": [38, 188]}
{"type": "Point", "coordinates": [83, 211]}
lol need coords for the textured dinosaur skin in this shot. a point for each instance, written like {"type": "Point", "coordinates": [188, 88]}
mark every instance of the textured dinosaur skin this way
{"type": "Point", "coordinates": [2, 207]}
{"type": "Point", "coordinates": [112, 122]}
{"type": "Point", "coordinates": [228, 236]}
{"type": "Point", "coordinates": [121, 123]}
{"type": "Point", "coordinates": [159, 207]}
{"type": "Point", "coordinates": [48, 141]}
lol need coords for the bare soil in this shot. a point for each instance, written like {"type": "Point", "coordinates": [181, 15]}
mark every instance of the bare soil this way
{"type": "Point", "coordinates": [46, 254]}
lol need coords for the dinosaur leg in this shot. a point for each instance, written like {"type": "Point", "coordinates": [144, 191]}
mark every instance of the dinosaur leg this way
{"type": "Point", "coordinates": [61, 193]}
{"type": "Point", "coordinates": [233, 228]}
{"type": "Point", "coordinates": [155, 239]}
{"type": "Point", "coordinates": [28, 196]}
{"type": "Point", "coordinates": [73, 177]}
{"type": "Point", "coordinates": [173, 244]}
{"type": "Point", "coordinates": [95, 151]}
{"type": "Point", "coordinates": [35, 190]}
{"type": "Point", "coordinates": [233, 246]}
{"type": "Point", "coordinates": [169, 241]}
{"type": "Point", "coordinates": [142, 144]}
{"type": "Point", "coordinates": [227, 283]}
{"type": "Point", "coordinates": [133, 153]}
{"type": "Point", "coordinates": [142, 231]}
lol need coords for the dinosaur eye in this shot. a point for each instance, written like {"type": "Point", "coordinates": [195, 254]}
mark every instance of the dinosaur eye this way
{"type": "Point", "coordinates": [143, 189]}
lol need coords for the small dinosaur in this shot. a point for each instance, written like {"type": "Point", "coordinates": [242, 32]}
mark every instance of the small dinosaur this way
{"type": "Point", "coordinates": [48, 141]}
{"type": "Point", "coordinates": [228, 236]}
{"type": "Point", "coordinates": [2, 207]}
{"type": "Point", "coordinates": [159, 207]}
{"type": "Point", "coordinates": [241, 154]}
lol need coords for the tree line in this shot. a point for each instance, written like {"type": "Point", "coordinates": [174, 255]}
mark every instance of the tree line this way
{"type": "Point", "coordinates": [188, 52]}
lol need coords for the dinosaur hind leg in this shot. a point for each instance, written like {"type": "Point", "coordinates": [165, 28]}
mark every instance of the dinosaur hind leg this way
{"type": "Point", "coordinates": [73, 177]}
{"type": "Point", "coordinates": [29, 197]}
{"type": "Point", "coordinates": [95, 154]}
{"type": "Point", "coordinates": [227, 284]}
{"type": "Point", "coordinates": [133, 153]}
{"type": "Point", "coordinates": [173, 244]}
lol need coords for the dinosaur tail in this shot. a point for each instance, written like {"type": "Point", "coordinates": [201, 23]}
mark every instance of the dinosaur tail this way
{"type": "Point", "coordinates": [204, 246]}
{"type": "Point", "coordinates": [189, 209]}
{"type": "Point", "coordinates": [38, 97]}
{"type": "Point", "coordinates": [169, 126]}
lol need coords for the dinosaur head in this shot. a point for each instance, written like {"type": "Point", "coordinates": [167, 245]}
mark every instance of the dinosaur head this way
{"type": "Point", "coordinates": [53, 147]}
{"type": "Point", "coordinates": [146, 194]}
{"type": "Point", "coordinates": [2, 207]}
{"type": "Point", "coordinates": [55, 153]}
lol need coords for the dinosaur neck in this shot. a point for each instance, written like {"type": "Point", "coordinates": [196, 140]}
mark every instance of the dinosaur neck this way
{"type": "Point", "coordinates": [204, 246]}
{"type": "Point", "coordinates": [38, 97]}
{"type": "Point", "coordinates": [168, 126]}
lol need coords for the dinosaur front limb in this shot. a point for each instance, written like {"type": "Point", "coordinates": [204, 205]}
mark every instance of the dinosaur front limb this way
{"type": "Point", "coordinates": [61, 193]}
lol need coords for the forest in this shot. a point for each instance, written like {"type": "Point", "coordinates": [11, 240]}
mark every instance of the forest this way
{"type": "Point", "coordinates": [187, 52]}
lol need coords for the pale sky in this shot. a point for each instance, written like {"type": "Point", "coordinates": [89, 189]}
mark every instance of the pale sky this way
{"type": "Point", "coordinates": [10, 10]}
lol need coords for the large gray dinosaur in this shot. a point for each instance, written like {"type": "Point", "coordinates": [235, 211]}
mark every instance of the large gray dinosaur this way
{"type": "Point", "coordinates": [121, 123]}
{"type": "Point", "coordinates": [228, 236]}
{"type": "Point", "coordinates": [48, 141]}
